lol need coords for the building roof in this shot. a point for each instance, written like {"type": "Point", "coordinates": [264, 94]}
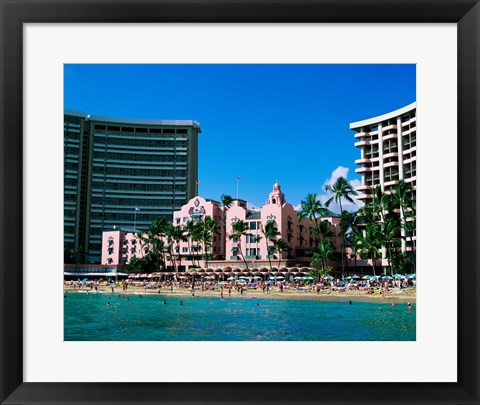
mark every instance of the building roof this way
{"type": "Point", "coordinates": [134, 121]}
{"type": "Point", "coordinates": [375, 120]}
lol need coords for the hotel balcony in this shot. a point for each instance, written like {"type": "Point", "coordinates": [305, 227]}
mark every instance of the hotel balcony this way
{"type": "Point", "coordinates": [410, 121]}
{"type": "Point", "coordinates": [361, 161]}
{"type": "Point", "coordinates": [389, 155]}
{"type": "Point", "coordinates": [362, 143]}
{"type": "Point", "coordinates": [393, 126]}
{"type": "Point", "coordinates": [361, 134]}
{"type": "Point", "coordinates": [364, 187]}
{"type": "Point", "coordinates": [391, 183]}
{"type": "Point", "coordinates": [363, 170]}
{"type": "Point", "coordinates": [412, 149]}
{"type": "Point", "coordinates": [408, 131]}
{"type": "Point", "coordinates": [412, 159]}
{"type": "Point", "coordinates": [410, 179]}
{"type": "Point", "coordinates": [364, 196]}
{"type": "Point", "coordinates": [390, 164]}
{"type": "Point", "coordinates": [389, 136]}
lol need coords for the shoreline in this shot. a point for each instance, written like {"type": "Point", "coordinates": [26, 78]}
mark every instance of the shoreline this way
{"type": "Point", "coordinates": [249, 294]}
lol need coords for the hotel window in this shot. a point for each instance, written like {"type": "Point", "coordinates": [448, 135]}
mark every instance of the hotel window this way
{"type": "Point", "coordinates": [252, 252]}
{"type": "Point", "coordinates": [177, 220]}
{"type": "Point", "coordinates": [235, 239]}
{"type": "Point", "coordinates": [390, 146]}
{"type": "Point", "coordinates": [253, 225]}
{"type": "Point", "coordinates": [110, 250]}
{"type": "Point", "coordinates": [184, 250]}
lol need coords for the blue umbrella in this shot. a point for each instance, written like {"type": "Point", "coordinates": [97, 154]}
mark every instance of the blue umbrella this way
{"type": "Point", "coordinates": [84, 280]}
{"type": "Point", "coordinates": [328, 278]}
{"type": "Point", "coordinates": [366, 278]}
{"type": "Point", "coordinates": [386, 278]}
{"type": "Point", "coordinates": [411, 276]}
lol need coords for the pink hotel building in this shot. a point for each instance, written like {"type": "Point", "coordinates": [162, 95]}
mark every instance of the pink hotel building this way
{"type": "Point", "coordinates": [119, 246]}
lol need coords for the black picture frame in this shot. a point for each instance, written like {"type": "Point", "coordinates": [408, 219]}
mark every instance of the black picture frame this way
{"type": "Point", "coordinates": [464, 13]}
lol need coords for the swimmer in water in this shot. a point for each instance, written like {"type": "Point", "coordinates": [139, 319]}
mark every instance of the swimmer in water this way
{"type": "Point", "coordinates": [164, 302]}
{"type": "Point", "coordinates": [349, 302]}
{"type": "Point", "coordinates": [181, 303]}
{"type": "Point", "coordinates": [409, 306]}
{"type": "Point", "coordinates": [128, 299]}
{"type": "Point", "coordinates": [393, 305]}
{"type": "Point", "coordinates": [108, 304]}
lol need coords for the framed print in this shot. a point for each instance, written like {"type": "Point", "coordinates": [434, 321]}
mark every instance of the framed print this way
{"type": "Point", "coordinates": [438, 363]}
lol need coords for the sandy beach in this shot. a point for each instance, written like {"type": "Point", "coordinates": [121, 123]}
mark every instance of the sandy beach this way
{"type": "Point", "coordinates": [407, 295]}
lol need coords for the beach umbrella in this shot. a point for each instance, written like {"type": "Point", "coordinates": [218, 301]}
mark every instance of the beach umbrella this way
{"type": "Point", "coordinates": [366, 278]}
{"type": "Point", "coordinates": [410, 276]}
{"type": "Point", "coordinates": [84, 280]}
{"type": "Point", "coordinates": [386, 278]}
{"type": "Point", "coordinates": [375, 277]}
{"type": "Point", "coordinates": [257, 278]}
{"type": "Point", "coordinates": [309, 278]}
{"type": "Point", "coordinates": [355, 277]}
{"type": "Point", "coordinates": [280, 277]}
{"type": "Point", "coordinates": [348, 278]}
{"type": "Point", "coordinates": [231, 278]}
{"type": "Point", "coordinates": [328, 278]}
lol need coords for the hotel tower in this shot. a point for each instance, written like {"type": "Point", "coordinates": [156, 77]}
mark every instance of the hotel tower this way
{"type": "Point", "coordinates": [121, 173]}
{"type": "Point", "coordinates": [388, 152]}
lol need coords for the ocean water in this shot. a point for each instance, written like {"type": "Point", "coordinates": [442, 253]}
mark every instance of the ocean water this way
{"type": "Point", "coordinates": [88, 318]}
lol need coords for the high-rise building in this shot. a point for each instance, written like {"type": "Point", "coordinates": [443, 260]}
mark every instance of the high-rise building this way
{"type": "Point", "coordinates": [388, 148]}
{"type": "Point", "coordinates": [121, 172]}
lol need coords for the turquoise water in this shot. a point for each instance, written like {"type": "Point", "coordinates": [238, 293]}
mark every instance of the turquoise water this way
{"type": "Point", "coordinates": [88, 317]}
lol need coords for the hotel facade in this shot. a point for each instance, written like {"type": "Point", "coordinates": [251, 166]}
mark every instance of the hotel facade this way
{"type": "Point", "coordinates": [388, 154]}
{"type": "Point", "coordinates": [123, 173]}
{"type": "Point", "coordinates": [120, 246]}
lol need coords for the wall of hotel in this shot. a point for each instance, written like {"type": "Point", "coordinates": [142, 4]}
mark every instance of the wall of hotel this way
{"type": "Point", "coordinates": [199, 207]}
{"type": "Point", "coordinates": [119, 247]}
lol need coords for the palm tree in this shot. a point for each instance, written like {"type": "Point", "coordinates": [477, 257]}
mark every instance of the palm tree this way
{"type": "Point", "coordinates": [155, 238]}
{"type": "Point", "coordinates": [368, 243]}
{"type": "Point", "coordinates": [280, 245]}
{"type": "Point", "coordinates": [270, 232]}
{"type": "Point", "coordinates": [403, 197]}
{"type": "Point", "coordinates": [176, 235]}
{"type": "Point", "coordinates": [310, 208]}
{"type": "Point", "coordinates": [240, 229]}
{"type": "Point", "coordinates": [193, 232]}
{"type": "Point", "coordinates": [350, 226]}
{"type": "Point", "coordinates": [209, 227]}
{"type": "Point", "coordinates": [323, 253]}
{"type": "Point", "coordinates": [322, 230]}
{"type": "Point", "coordinates": [227, 202]}
{"type": "Point", "coordinates": [341, 189]}
{"type": "Point", "coordinates": [390, 234]}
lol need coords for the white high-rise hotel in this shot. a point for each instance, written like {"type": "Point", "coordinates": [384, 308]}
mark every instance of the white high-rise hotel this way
{"type": "Point", "coordinates": [388, 151]}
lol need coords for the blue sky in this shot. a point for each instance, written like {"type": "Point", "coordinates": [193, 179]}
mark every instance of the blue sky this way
{"type": "Point", "coordinates": [261, 122]}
